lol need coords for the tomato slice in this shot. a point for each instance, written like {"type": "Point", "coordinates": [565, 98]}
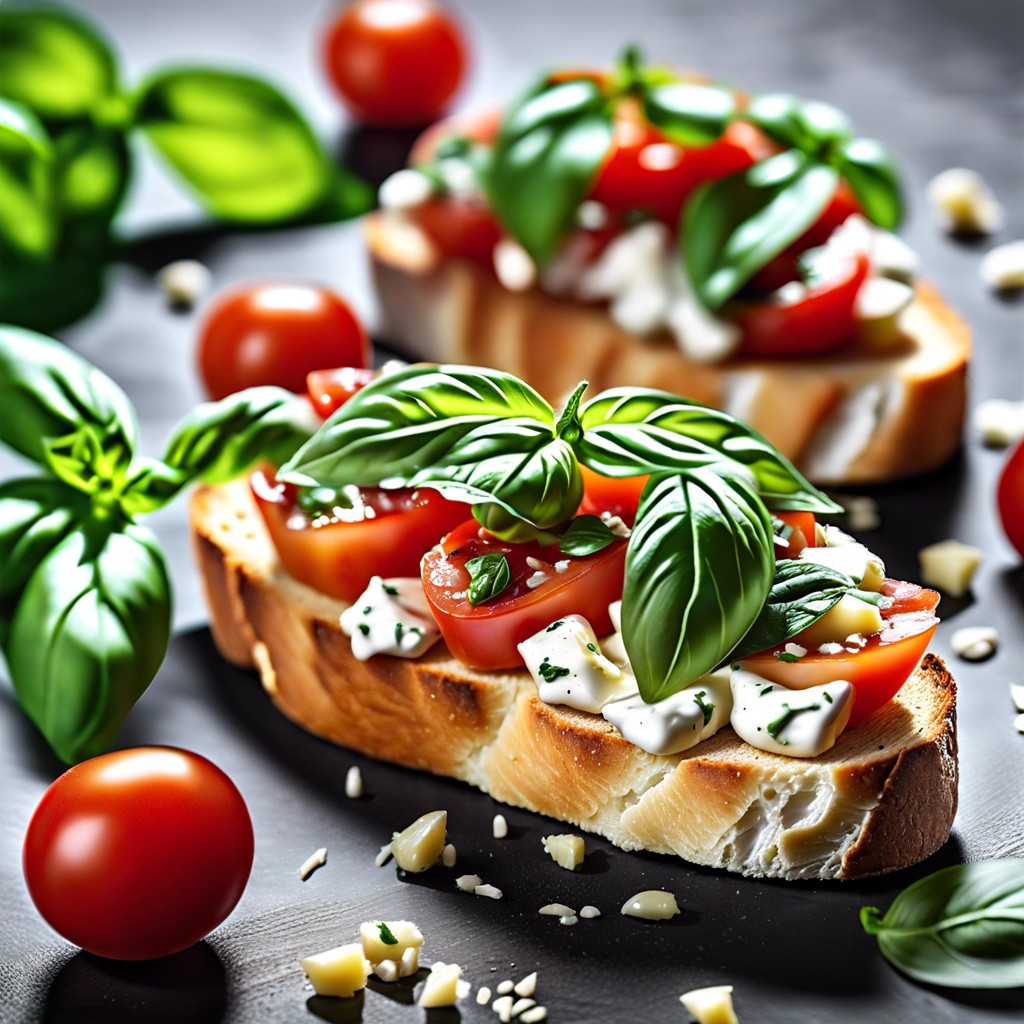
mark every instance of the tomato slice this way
{"type": "Point", "coordinates": [486, 635]}
{"type": "Point", "coordinates": [880, 668]}
{"type": "Point", "coordinates": [820, 320]}
{"type": "Point", "coordinates": [329, 390]}
{"type": "Point", "coordinates": [620, 496]}
{"type": "Point", "coordinates": [802, 535]}
{"type": "Point", "coordinates": [384, 534]}
{"type": "Point", "coordinates": [460, 227]}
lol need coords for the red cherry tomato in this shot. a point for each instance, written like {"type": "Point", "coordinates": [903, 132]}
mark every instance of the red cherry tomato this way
{"type": "Point", "coordinates": [277, 334]}
{"type": "Point", "coordinates": [395, 62]}
{"type": "Point", "coordinates": [481, 125]}
{"type": "Point", "coordinates": [802, 533]}
{"type": "Point", "coordinates": [878, 670]}
{"type": "Point", "coordinates": [644, 170]}
{"type": "Point", "coordinates": [384, 534]}
{"type": "Point", "coordinates": [620, 497]}
{"type": "Point", "coordinates": [486, 635]}
{"type": "Point", "coordinates": [460, 228]}
{"type": "Point", "coordinates": [139, 853]}
{"type": "Point", "coordinates": [329, 390]}
{"type": "Point", "coordinates": [1011, 498]}
{"type": "Point", "coordinates": [822, 319]}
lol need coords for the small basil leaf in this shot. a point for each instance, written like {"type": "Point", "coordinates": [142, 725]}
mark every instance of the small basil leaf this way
{"type": "Point", "coordinates": [801, 593]}
{"type": "Point", "coordinates": [48, 392]}
{"type": "Point", "coordinates": [871, 172]}
{"type": "Point", "coordinates": [547, 154]}
{"type": "Point", "coordinates": [89, 633]}
{"type": "Point", "coordinates": [90, 460]}
{"type": "Point", "coordinates": [631, 431]}
{"type": "Point", "coordinates": [218, 440]}
{"type": "Point", "coordinates": [93, 170]}
{"type": "Point", "coordinates": [28, 219]}
{"type": "Point", "coordinates": [586, 536]}
{"type": "Point", "coordinates": [240, 144]}
{"type": "Point", "coordinates": [699, 567]}
{"type": "Point", "coordinates": [56, 63]}
{"type": "Point", "coordinates": [489, 575]}
{"type": "Point", "coordinates": [690, 114]}
{"type": "Point", "coordinates": [732, 228]}
{"type": "Point", "coordinates": [36, 514]}
{"type": "Point", "coordinates": [807, 125]}
{"type": "Point", "coordinates": [960, 927]}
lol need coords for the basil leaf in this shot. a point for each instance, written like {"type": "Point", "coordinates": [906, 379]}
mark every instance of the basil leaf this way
{"type": "Point", "coordinates": [690, 114]}
{"type": "Point", "coordinates": [808, 125]}
{"type": "Point", "coordinates": [88, 636]}
{"type": "Point", "coordinates": [55, 62]}
{"type": "Point", "coordinates": [489, 575]}
{"type": "Point", "coordinates": [732, 228]}
{"type": "Point", "coordinates": [218, 440]}
{"type": "Point", "coordinates": [48, 392]}
{"type": "Point", "coordinates": [36, 514]}
{"type": "Point", "coordinates": [240, 144]}
{"type": "Point", "coordinates": [801, 593]}
{"type": "Point", "coordinates": [90, 460]}
{"type": "Point", "coordinates": [872, 174]}
{"type": "Point", "coordinates": [93, 169]}
{"type": "Point", "coordinates": [960, 927]}
{"type": "Point", "coordinates": [631, 431]}
{"type": "Point", "coordinates": [28, 220]}
{"type": "Point", "coordinates": [547, 154]}
{"type": "Point", "coordinates": [586, 536]}
{"type": "Point", "coordinates": [699, 567]}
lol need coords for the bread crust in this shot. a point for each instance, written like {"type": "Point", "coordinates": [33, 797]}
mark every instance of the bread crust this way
{"type": "Point", "coordinates": [882, 799]}
{"type": "Point", "coordinates": [907, 400]}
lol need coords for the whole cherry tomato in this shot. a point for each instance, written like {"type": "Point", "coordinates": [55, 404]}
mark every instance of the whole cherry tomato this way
{"type": "Point", "coordinates": [395, 62]}
{"type": "Point", "coordinates": [1011, 498]}
{"type": "Point", "coordinates": [276, 334]}
{"type": "Point", "coordinates": [329, 390]}
{"type": "Point", "coordinates": [618, 495]}
{"type": "Point", "coordinates": [140, 853]}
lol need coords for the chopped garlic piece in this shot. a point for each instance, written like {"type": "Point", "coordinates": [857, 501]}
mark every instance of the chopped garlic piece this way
{"type": "Point", "coordinates": [184, 282]}
{"type": "Point", "coordinates": [499, 827]}
{"type": "Point", "coordinates": [1003, 267]}
{"type": "Point", "coordinates": [488, 890]}
{"type": "Point", "coordinates": [506, 986]}
{"type": "Point", "coordinates": [467, 883]}
{"type": "Point", "coordinates": [975, 643]}
{"type": "Point", "coordinates": [354, 783]}
{"type": "Point", "coordinates": [502, 1006]}
{"type": "Point", "coordinates": [949, 565]}
{"type": "Point", "coordinates": [1000, 423]}
{"type": "Point", "coordinates": [556, 910]}
{"type": "Point", "coordinates": [964, 202]}
{"type": "Point", "coordinates": [651, 905]}
{"type": "Point", "coordinates": [710, 1005]}
{"type": "Point", "coordinates": [312, 862]}
{"type": "Point", "coordinates": [337, 972]}
{"type": "Point", "coordinates": [1017, 693]}
{"type": "Point", "coordinates": [527, 986]}
{"type": "Point", "coordinates": [448, 856]}
{"type": "Point", "coordinates": [589, 912]}
{"type": "Point", "coordinates": [569, 919]}
{"type": "Point", "coordinates": [520, 1005]}
{"type": "Point", "coordinates": [567, 851]}
{"type": "Point", "coordinates": [535, 1015]}
{"type": "Point", "coordinates": [441, 987]}
{"type": "Point", "coordinates": [418, 846]}
{"type": "Point", "coordinates": [483, 996]}
{"type": "Point", "coordinates": [410, 962]}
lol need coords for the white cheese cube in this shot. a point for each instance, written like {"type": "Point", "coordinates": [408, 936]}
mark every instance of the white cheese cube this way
{"type": "Point", "coordinates": [376, 949]}
{"type": "Point", "coordinates": [1003, 267]}
{"type": "Point", "coordinates": [441, 987]}
{"type": "Point", "coordinates": [418, 847]}
{"type": "Point", "coordinates": [949, 565]}
{"type": "Point", "coordinates": [565, 850]}
{"type": "Point", "coordinates": [337, 972]}
{"type": "Point", "coordinates": [864, 567]}
{"type": "Point", "coordinates": [710, 1005]}
{"type": "Point", "coordinates": [964, 202]}
{"type": "Point", "coordinates": [1000, 423]}
{"type": "Point", "coordinates": [849, 617]}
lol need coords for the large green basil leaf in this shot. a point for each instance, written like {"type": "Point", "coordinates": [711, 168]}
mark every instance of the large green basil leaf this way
{"type": "Point", "coordinates": [630, 431]}
{"type": "Point", "coordinates": [801, 593]}
{"type": "Point", "coordinates": [547, 154]}
{"type": "Point", "coordinates": [410, 420]}
{"type": "Point", "coordinates": [93, 169]}
{"type": "Point", "coordinates": [36, 514]}
{"type": "Point", "coordinates": [28, 220]}
{"type": "Point", "coordinates": [734, 226]}
{"type": "Point", "coordinates": [688, 113]}
{"type": "Point", "coordinates": [240, 144]}
{"type": "Point", "coordinates": [89, 633]}
{"type": "Point", "coordinates": [871, 172]}
{"type": "Point", "coordinates": [48, 392]}
{"type": "Point", "coordinates": [699, 567]}
{"type": "Point", "coordinates": [48, 295]}
{"type": "Point", "coordinates": [961, 927]}
{"type": "Point", "coordinates": [55, 62]}
{"type": "Point", "coordinates": [808, 125]}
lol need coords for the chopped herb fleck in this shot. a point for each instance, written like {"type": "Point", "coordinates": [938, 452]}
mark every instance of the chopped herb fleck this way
{"type": "Point", "coordinates": [364, 629]}
{"type": "Point", "coordinates": [392, 590]}
{"type": "Point", "coordinates": [549, 673]}
{"type": "Point", "coordinates": [399, 630]}
{"type": "Point", "coordinates": [387, 936]}
{"type": "Point", "coordinates": [787, 716]}
{"type": "Point", "coordinates": [786, 656]}
{"type": "Point", "coordinates": [554, 626]}
{"type": "Point", "coordinates": [708, 709]}
{"type": "Point", "coordinates": [767, 689]}
{"type": "Point", "coordinates": [592, 648]}
{"type": "Point", "coordinates": [828, 697]}
{"type": "Point", "coordinates": [368, 609]}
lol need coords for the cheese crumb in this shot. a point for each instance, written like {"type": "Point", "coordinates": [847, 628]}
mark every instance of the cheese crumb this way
{"type": "Point", "coordinates": [184, 282]}
{"type": "Point", "coordinates": [527, 986]}
{"type": "Point", "coordinates": [483, 996]}
{"type": "Point", "coordinates": [537, 579]}
{"type": "Point", "coordinates": [566, 851]}
{"type": "Point", "coordinates": [386, 970]}
{"type": "Point", "coordinates": [831, 648]}
{"type": "Point", "coordinates": [441, 987]}
{"type": "Point", "coordinates": [354, 783]}
{"type": "Point", "coordinates": [490, 891]}
{"type": "Point", "coordinates": [1017, 693]}
{"type": "Point", "coordinates": [448, 856]}
{"type": "Point", "coordinates": [949, 565]}
{"type": "Point", "coordinates": [1003, 267]}
{"type": "Point", "coordinates": [796, 650]}
{"type": "Point", "coordinates": [1000, 423]}
{"type": "Point", "coordinates": [499, 827]}
{"type": "Point", "coordinates": [589, 912]}
{"type": "Point", "coordinates": [418, 846]}
{"type": "Point", "coordinates": [964, 202]}
{"type": "Point", "coordinates": [710, 1005]}
{"type": "Point", "coordinates": [384, 856]}
{"type": "Point", "coordinates": [337, 972]}
{"type": "Point", "coordinates": [312, 862]}
{"type": "Point", "coordinates": [975, 643]}
{"type": "Point", "coordinates": [616, 524]}
{"type": "Point", "coordinates": [467, 883]}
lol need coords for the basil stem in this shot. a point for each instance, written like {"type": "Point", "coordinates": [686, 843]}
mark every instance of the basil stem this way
{"type": "Point", "coordinates": [489, 576]}
{"type": "Point", "coordinates": [960, 927]}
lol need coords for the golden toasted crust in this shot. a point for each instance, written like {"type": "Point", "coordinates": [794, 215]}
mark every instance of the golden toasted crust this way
{"type": "Point", "coordinates": [883, 798]}
{"type": "Point", "coordinates": [862, 415]}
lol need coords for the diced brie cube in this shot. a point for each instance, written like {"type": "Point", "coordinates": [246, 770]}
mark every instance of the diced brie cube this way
{"type": "Point", "coordinates": [710, 1005]}
{"type": "Point", "coordinates": [441, 987]}
{"type": "Point", "coordinates": [419, 846]}
{"type": "Point", "coordinates": [565, 850]}
{"type": "Point", "coordinates": [375, 949]}
{"type": "Point", "coordinates": [949, 565]}
{"type": "Point", "coordinates": [338, 972]}
{"type": "Point", "coordinates": [849, 617]}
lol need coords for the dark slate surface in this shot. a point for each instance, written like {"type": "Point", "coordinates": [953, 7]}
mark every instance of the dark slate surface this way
{"type": "Point", "coordinates": [942, 83]}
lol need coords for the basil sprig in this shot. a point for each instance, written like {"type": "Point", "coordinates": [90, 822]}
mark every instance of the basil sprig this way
{"type": "Point", "coordinates": [489, 576]}
{"type": "Point", "coordinates": [66, 119]}
{"type": "Point", "coordinates": [960, 927]}
{"type": "Point", "coordinates": [700, 561]}
{"type": "Point", "coordinates": [85, 602]}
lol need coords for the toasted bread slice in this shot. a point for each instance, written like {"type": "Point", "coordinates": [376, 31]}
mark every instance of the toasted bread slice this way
{"type": "Point", "coordinates": [882, 799]}
{"type": "Point", "coordinates": [861, 415]}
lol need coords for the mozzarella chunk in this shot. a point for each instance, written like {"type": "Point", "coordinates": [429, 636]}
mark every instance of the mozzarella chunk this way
{"type": "Point", "coordinates": [513, 266]}
{"type": "Point", "coordinates": [405, 190]}
{"type": "Point", "coordinates": [566, 851]}
{"type": "Point", "coordinates": [337, 972]}
{"type": "Point", "coordinates": [964, 202]}
{"type": "Point", "coordinates": [376, 950]}
{"type": "Point", "coordinates": [390, 617]}
{"type": "Point", "coordinates": [1000, 423]}
{"type": "Point", "coordinates": [678, 722]}
{"type": "Point", "coordinates": [710, 1005]}
{"type": "Point", "coordinates": [1003, 267]}
{"type": "Point", "coordinates": [892, 257]}
{"type": "Point", "coordinates": [847, 556]}
{"type": "Point", "coordinates": [797, 723]}
{"type": "Point", "coordinates": [949, 565]}
{"type": "Point", "coordinates": [850, 617]}
{"type": "Point", "coordinates": [569, 668]}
